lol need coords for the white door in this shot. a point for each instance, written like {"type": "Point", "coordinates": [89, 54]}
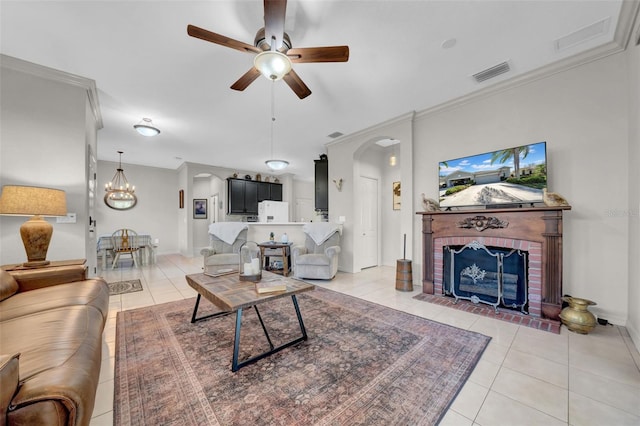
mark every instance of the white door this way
{"type": "Point", "coordinates": [369, 222]}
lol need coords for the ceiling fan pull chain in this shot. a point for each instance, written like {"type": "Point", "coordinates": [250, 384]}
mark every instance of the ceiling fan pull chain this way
{"type": "Point", "coordinates": [273, 113]}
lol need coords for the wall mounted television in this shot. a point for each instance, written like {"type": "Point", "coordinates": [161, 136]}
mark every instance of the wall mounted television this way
{"type": "Point", "coordinates": [513, 176]}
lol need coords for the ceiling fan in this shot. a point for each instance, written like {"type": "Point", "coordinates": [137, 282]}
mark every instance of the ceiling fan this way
{"type": "Point", "coordinates": [274, 50]}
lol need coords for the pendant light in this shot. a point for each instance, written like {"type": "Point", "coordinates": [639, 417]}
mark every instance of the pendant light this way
{"type": "Point", "coordinates": [274, 164]}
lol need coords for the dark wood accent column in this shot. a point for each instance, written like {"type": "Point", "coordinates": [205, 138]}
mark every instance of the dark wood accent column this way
{"type": "Point", "coordinates": [552, 264]}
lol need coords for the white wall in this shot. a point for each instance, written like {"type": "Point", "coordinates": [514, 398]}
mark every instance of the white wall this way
{"type": "Point", "coordinates": [44, 132]}
{"type": "Point", "coordinates": [156, 212]}
{"type": "Point", "coordinates": [582, 113]}
{"type": "Point", "coordinates": [202, 190]}
{"type": "Point", "coordinates": [344, 162]}
{"type": "Point", "coordinates": [392, 235]}
{"type": "Point", "coordinates": [633, 321]}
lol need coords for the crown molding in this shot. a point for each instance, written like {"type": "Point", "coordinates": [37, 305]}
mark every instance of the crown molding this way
{"type": "Point", "coordinates": [408, 117]}
{"type": "Point", "coordinates": [629, 14]}
{"type": "Point", "coordinates": [15, 64]}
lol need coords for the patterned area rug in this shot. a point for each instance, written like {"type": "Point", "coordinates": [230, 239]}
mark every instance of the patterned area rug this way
{"type": "Point", "coordinates": [122, 287]}
{"type": "Point", "coordinates": [363, 364]}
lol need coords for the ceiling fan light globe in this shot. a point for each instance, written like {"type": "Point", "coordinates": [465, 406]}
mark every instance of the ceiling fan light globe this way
{"type": "Point", "coordinates": [273, 65]}
{"type": "Point", "coordinates": [276, 164]}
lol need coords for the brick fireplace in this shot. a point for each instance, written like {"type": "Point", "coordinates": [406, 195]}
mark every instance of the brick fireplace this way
{"type": "Point", "coordinates": [534, 231]}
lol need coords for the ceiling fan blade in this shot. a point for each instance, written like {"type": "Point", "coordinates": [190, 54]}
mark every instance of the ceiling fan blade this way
{"type": "Point", "coordinates": [244, 81]}
{"type": "Point", "coordinates": [274, 13]}
{"type": "Point", "coordinates": [206, 35]}
{"type": "Point", "coordinates": [297, 85]}
{"type": "Point", "coordinates": [319, 54]}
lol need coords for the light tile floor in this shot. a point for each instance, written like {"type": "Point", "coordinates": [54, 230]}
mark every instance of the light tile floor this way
{"type": "Point", "coordinates": [525, 377]}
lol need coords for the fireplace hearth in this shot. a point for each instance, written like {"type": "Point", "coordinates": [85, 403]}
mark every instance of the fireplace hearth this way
{"type": "Point", "coordinates": [531, 236]}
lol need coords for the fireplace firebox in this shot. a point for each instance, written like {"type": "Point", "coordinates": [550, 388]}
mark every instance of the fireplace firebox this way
{"type": "Point", "coordinates": [491, 275]}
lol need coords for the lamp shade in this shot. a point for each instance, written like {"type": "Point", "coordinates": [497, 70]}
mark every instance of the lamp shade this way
{"type": "Point", "coordinates": [36, 232]}
{"type": "Point", "coordinates": [32, 200]}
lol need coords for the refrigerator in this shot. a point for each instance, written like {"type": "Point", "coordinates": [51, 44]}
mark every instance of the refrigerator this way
{"type": "Point", "coordinates": [273, 211]}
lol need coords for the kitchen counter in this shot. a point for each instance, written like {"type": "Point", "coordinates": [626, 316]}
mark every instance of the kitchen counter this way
{"type": "Point", "coordinates": [259, 231]}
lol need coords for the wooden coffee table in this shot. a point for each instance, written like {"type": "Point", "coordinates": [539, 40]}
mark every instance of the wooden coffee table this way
{"type": "Point", "coordinates": [230, 295]}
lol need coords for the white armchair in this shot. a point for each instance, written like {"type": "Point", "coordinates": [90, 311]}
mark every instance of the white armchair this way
{"type": "Point", "coordinates": [318, 258]}
{"type": "Point", "coordinates": [225, 240]}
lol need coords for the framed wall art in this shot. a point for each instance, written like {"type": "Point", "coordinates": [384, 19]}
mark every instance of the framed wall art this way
{"type": "Point", "coordinates": [396, 195]}
{"type": "Point", "coordinates": [199, 208]}
{"type": "Point", "coordinates": [181, 199]}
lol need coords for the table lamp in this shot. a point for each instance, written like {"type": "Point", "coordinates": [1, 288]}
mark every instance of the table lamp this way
{"type": "Point", "coordinates": [36, 202]}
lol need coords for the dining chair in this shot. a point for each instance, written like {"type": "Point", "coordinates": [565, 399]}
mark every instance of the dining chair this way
{"type": "Point", "coordinates": [125, 241]}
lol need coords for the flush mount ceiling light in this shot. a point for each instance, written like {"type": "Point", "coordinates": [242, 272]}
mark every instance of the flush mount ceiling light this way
{"type": "Point", "coordinates": [274, 164]}
{"type": "Point", "coordinates": [146, 128]}
{"type": "Point", "coordinates": [272, 64]}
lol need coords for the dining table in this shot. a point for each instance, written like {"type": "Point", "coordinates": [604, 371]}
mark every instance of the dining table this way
{"type": "Point", "coordinates": [143, 241]}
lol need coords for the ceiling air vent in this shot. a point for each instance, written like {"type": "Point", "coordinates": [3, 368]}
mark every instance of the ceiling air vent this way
{"type": "Point", "coordinates": [583, 34]}
{"type": "Point", "coordinates": [335, 135]}
{"type": "Point", "coordinates": [494, 71]}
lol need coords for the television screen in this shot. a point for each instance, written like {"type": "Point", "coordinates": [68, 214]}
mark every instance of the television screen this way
{"type": "Point", "coordinates": [513, 176]}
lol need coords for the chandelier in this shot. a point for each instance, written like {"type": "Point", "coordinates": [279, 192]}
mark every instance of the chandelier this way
{"type": "Point", "coordinates": [120, 195]}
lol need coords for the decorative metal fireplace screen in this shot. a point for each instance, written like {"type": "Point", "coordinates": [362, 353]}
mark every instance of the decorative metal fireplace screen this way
{"type": "Point", "coordinates": [491, 275]}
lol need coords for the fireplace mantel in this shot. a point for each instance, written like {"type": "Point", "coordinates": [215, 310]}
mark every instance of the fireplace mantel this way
{"type": "Point", "coordinates": [541, 226]}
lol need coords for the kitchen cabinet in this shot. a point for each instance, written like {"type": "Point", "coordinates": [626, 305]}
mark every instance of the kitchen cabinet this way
{"type": "Point", "coordinates": [244, 195]}
{"type": "Point", "coordinates": [322, 184]}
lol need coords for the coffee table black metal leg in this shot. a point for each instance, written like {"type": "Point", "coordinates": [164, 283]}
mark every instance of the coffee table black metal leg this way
{"type": "Point", "coordinates": [304, 330]}
{"type": "Point", "coordinates": [195, 311]}
{"type": "Point", "coordinates": [266, 333]}
{"type": "Point", "coordinates": [235, 365]}
{"type": "Point", "coordinates": [236, 342]}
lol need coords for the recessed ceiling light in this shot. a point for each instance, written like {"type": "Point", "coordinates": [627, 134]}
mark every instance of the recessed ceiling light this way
{"type": "Point", "coordinates": [449, 43]}
{"type": "Point", "coordinates": [387, 142]}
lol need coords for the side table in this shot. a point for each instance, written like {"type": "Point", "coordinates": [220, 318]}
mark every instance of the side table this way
{"type": "Point", "coordinates": [270, 248]}
{"type": "Point", "coordinates": [52, 264]}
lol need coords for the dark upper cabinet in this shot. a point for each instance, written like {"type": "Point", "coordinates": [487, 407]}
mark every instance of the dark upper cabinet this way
{"type": "Point", "coordinates": [264, 191]}
{"type": "Point", "coordinates": [251, 197]}
{"type": "Point", "coordinates": [276, 192]}
{"type": "Point", "coordinates": [243, 195]}
{"type": "Point", "coordinates": [322, 184]}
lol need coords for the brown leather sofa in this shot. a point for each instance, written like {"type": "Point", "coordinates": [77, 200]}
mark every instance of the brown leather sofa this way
{"type": "Point", "coordinates": [51, 323]}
